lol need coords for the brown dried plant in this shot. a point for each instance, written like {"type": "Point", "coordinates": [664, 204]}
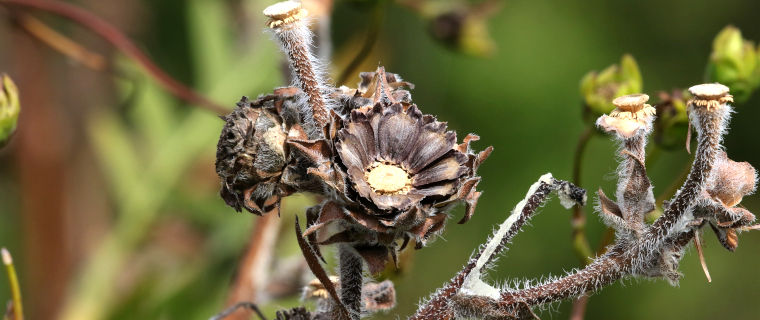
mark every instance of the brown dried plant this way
{"type": "Point", "coordinates": [388, 174]}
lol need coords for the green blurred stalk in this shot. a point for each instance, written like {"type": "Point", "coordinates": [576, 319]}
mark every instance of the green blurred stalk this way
{"type": "Point", "coordinates": [18, 310]}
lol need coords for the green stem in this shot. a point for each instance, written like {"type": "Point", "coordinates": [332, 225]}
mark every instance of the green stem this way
{"type": "Point", "coordinates": [578, 221]}
{"type": "Point", "coordinates": [18, 310]}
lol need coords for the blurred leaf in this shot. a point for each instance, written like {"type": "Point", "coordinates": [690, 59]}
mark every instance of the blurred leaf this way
{"type": "Point", "coordinates": [9, 108]}
{"type": "Point", "coordinates": [734, 62]}
{"type": "Point", "coordinates": [600, 88]}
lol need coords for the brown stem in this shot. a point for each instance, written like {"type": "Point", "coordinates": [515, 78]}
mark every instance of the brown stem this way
{"type": "Point", "coordinates": [60, 42]}
{"type": "Point", "coordinates": [116, 38]}
{"type": "Point", "coordinates": [624, 260]}
{"type": "Point", "coordinates": [254, 267]}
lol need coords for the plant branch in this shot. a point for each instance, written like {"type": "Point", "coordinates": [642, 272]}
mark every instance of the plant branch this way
{"type": "Point", "coordinates": [439, 306]}
{"type": "Point", "coordinates": [18, 309]}
{"type": "Point", "coordinates": [121, 42]}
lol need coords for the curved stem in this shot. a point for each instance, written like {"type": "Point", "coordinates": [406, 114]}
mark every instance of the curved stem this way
{"type": "Point", "coordinates": [18, 310]}
{"type": "Point", "coordinates": [581, 244]}
{"type": "Point", "coordinates": [116, 38]}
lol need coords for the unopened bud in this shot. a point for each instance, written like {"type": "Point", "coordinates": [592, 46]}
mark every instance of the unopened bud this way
{"type": "Point", "coordinates": [735, 62]}
{"type": "Point", "coordinates": [600, 88]}
{"type": "Point", "coordinates": [9, 108]}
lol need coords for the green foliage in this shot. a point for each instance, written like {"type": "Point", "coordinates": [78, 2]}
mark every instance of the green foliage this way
{"type": "Point", "coordinates": [598, 89]}
{"type": "Point", "coordinates": [10, 107]}
{"type": "Point", "coordinates": [735, 62]}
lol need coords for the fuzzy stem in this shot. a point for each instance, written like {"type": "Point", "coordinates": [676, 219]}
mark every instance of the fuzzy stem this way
{"type": "Point", "coordinates": [621, 262]}
{"type": "Point", "coordinates": [295, 40]}
{"type": "Point", "coordinates": [439, 306]}
{"type": "Point", "coordinates": [351, 280]}
{"type": "Point", "coordinates": [710, 125]}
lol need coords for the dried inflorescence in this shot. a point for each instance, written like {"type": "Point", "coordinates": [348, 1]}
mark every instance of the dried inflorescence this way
{"type": "Point", "coordinates": [387, 174]}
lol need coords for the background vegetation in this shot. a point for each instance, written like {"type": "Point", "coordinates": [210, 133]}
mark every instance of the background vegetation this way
{"type": "Point", "coordinates": [108, 196]}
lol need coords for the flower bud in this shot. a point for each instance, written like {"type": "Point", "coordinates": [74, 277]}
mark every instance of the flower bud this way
{"type": "Point", "coordinates": [9, 108]}
{"type": "Point", "coordinates": [671, 124]}
{"type": "Point", "coordinates": [465, 29]}
{"type": "Point", "coordinates": [599, 88]}
{"type": "Point", "coordinates": [734, 62]}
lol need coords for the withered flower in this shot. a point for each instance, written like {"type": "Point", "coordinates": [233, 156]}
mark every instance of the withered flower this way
{"type": "Point", "coordinates": [252, 158]}
{"type": "Point", "coordinates": [630, 115]}
{"type": "Point", "coordinates": [395, 171]}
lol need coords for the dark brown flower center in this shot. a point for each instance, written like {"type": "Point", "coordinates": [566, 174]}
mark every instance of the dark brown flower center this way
{"type": "Point", "coordinates": [388, 178]}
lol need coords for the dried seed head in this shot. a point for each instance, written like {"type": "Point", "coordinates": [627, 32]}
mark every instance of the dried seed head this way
{"type": "Point", "coordinates": [710, 95]}
{"type": "Point", "coordinates": [632, 102]}
{"type": "Point", "coordinates": [284, 12]}
{"type": "Point", "coordinates": [731, 180]}
{"type": "Point", "coordinates": [631, 115]}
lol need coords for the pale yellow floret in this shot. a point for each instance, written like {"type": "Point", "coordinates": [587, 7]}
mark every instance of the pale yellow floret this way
{"type": "Point", "coordinates": [385, 178]}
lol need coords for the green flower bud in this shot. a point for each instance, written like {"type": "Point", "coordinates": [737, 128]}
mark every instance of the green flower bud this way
{"type": "Point", "coordinates": [465, 29]}
{"type": "Point", "coordinates": [734, 62]}
{"type": "Point", "coordinates": [672, 120]}
{"type": "Point", "coordinates": [9, 108]}
{"type": "Point", "coordinates": [600, 88]}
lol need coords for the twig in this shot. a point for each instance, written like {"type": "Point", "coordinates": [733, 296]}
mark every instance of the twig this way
{"type": "Point", "coordinates": [116, 38]}
{"type": "Point", "coordinates": [439, 305]}
{"type": "Point", "coordinates": [578, 220]}
{"type": "Point", "coordinates": [60, 42]}
{"type": "Point", "coordinates": [253, 271]}
{"type": "Point", "coordinates": [230, 310]}
{"type": "Point", "coordinates": [18, 310]}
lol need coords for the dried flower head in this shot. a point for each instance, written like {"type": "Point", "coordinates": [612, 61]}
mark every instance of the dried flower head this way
{"type": "Point", "coordinates": [731, 180]}
{"type": "Point", "coordinates": [284, 13]}
{"type": "Point", "coordinates": [252, 159]}
{"type": "Point", "coordinates": [395, 173]}
{"type": "Point", "coordinates": [631, 115]}
{"type": "Point", "coordinates": [710, 95]}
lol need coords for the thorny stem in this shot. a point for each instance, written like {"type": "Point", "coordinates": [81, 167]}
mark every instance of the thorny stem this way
{"type": "Point", "coordinates": [351, 280]}
{"type": "Point", "coordinates": [116, 38]}
{"type": "Point", "coordinates": [18, 310]}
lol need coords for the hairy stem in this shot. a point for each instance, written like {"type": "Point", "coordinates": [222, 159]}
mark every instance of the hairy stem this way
{"type": "Point", "coordinates": [351, 280]}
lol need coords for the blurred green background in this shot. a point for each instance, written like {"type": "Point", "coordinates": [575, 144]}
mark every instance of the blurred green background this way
{"type": "Point", "coordinates": [108, 196]}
